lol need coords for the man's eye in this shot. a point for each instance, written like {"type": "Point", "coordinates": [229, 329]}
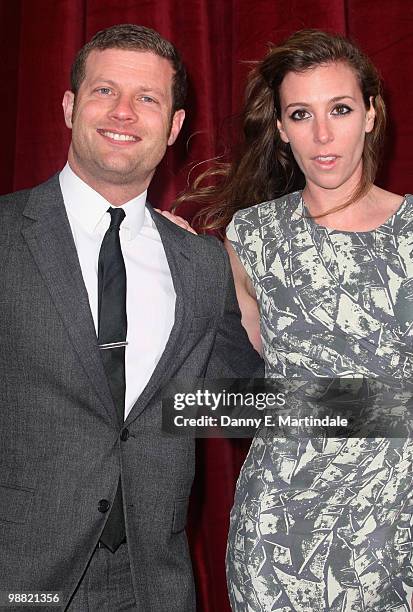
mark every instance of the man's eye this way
{"type": "Point", "coordinates": [341, 109]}
{"type": "Point", "coordinates": [299, 115]}
{"type": "Point", "coordinates": [146, 99]}
{"type": "Point", "coordinates": [106, 91]}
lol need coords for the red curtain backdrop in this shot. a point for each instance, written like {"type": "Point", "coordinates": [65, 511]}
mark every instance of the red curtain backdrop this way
{"type": "Point", "coordinates": [217, 39]}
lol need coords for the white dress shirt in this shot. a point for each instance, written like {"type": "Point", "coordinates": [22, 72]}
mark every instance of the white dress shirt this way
{"type": "Point", "coordinates": [150, 294]}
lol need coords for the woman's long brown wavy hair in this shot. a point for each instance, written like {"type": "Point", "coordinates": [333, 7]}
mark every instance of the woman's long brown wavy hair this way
{"type": "Point", "coordinates": [263, 167]}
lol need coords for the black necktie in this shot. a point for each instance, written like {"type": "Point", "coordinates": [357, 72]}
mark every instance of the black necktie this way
{"type": "Point", "coordinates": [112, 341]}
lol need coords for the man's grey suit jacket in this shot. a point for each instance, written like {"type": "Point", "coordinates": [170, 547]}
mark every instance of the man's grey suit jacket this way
{"type": "Point", "coordinates": [61, 451]}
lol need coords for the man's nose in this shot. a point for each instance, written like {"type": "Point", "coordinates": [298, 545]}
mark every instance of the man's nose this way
{"type": "Point", "coordinates": [322, 131]}
{"type": "Point", "coordinates": [123, 109]}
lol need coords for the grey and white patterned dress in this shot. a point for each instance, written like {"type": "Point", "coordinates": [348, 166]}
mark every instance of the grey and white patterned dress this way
{"type": "Point", "coordinates": [326, 527]}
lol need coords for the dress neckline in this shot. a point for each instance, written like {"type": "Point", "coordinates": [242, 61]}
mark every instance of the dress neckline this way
{"type": "Point", "coordinates": [407, 198]}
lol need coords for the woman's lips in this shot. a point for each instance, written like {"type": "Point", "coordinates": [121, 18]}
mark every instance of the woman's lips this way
{"type": "Point", "coordinates": [326, 161]}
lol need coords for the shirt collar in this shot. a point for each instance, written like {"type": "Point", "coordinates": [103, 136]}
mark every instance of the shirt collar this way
{"type": "Point", "coordinates": [89, 208]}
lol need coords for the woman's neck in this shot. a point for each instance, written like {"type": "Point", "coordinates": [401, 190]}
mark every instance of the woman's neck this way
{"type": "Point", "coordinates": [365, 214]}
{"type": "Point", "coordinates": [320, 200]}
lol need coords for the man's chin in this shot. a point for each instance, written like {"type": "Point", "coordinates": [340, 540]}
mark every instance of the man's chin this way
{"type": "Point", "coordinates": [119, 173]}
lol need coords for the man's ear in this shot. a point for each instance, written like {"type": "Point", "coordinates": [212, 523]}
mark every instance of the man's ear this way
{"type": "Point", "coordinates": [283, 135]}
{"type": "Point", "coordinates": [370, 116]}
{"type": "Point", "coordinates": [177, 121]}
{"type": "Point", "coordinates": [68, 103]}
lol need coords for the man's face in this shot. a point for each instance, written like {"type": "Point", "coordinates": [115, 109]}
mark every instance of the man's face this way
{"type": "Point", "coordinates": [121, 120]}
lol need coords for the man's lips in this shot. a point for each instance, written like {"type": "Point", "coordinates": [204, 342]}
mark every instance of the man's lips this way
{"type": "Point", "coordinates": [118, 137]}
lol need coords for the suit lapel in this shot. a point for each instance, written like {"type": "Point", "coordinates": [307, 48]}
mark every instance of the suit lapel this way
{"type": "Point", "coordinates": [49, 238]}
{"type": "Point", "coordinates": [181, 266]}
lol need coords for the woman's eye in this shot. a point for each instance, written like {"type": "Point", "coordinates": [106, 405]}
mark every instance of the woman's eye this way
{"type": "Point", "coordinates": [341, 109]}
{"type": "Point", "coordinates": [299, 115]}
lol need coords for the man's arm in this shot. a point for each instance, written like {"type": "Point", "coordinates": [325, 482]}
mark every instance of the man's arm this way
{"type": "Point", "coordinates": [247, 299]}
{"type": "Point", "coordinates": [233, 355]}
{"type": "Point", "coordinates": [238, 339]}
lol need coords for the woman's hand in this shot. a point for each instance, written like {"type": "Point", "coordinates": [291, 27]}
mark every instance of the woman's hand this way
{"type": "Point", "coordinates": [177, 220]}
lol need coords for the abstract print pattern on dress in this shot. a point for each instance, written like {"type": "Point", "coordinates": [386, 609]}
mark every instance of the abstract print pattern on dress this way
{"type": "Point", "coordinates": [326, 524]}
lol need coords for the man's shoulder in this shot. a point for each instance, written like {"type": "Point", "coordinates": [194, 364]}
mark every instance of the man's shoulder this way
{"type": "Point", "coordinates": [207, 252]}
{"type": "Point", "coordinates": [212, 243]}
{"type": "Point", "coordinates": [12, 204]}
{"type": "Point", "coordinates": [15, 198]}
{"type": "Point", "coordinates": [194, 244]}
{"type": "Point", "coordinates": [210, 249]}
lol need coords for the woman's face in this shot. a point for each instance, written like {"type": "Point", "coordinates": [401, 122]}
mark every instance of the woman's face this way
{"type": "Point", "coordinates": [324, 118]}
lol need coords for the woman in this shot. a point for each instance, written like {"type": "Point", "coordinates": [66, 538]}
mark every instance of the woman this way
{"type": "Point", "coordinates": [324, 281]}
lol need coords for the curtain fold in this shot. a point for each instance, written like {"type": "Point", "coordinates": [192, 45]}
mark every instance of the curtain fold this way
{"type": "Point", "coordinates": [218, 39]}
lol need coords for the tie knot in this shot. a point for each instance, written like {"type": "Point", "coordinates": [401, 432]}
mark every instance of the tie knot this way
{"type": "Point", "coordinates": [117, 215]}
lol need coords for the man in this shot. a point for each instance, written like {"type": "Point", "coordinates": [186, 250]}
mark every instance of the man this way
{"type": "Point", "coordinates": [93, 496]}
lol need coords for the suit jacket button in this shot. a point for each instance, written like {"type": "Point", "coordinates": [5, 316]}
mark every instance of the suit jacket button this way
{"type": "Point", "coordinates": [103, 505]}
{"type": "Point", "coordinates": [124, 434]}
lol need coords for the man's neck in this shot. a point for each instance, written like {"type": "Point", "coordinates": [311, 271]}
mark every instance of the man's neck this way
{"type": "Point", "coordinates": [116, 195]}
